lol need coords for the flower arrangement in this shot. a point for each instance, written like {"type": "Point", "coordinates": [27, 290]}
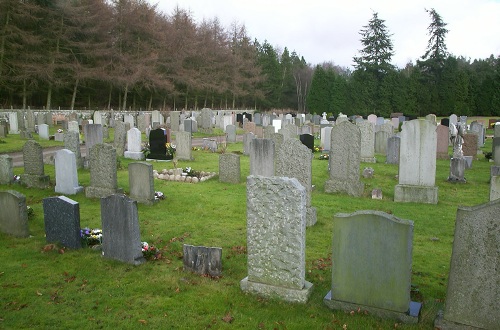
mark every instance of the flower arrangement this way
{"type": "Point", "coordinates": [91, 237]}
{"type": "Point", "coordinates": [150, 252]}
{"type": "Point", "coordinates": [195, 148]}
{"type": "Point", "coordinates": [170, 149]}
{"type": "Point", "coordinates": [324, 156]}
{"type": "Point", "coordinates": [159, 195]}
{"type": "Point", "coordinates": [190, 172]}
{"type": "Point", "coordinates": [317, 149]}
{"type": "Point", "coordinates": [59, 131]}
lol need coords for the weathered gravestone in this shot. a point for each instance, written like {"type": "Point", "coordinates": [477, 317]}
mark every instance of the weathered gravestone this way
{"type": "Point", "coordinates": [157, 145]}
{"type": "Point", "coordinates": [6, 172]}
{"type": "Point", "coordinates": [268, 132]}
{"type": "Point", "coordinates": [43, 131]}
{"type": "Point", "coordinates": [367, 130]}
{"type": "Point", "coordinates": [494, 187]}
{"type": "Point", "coordinates": [72, 143]}
{"type": "Point", "coordinates": [34, 173]}
{"type": "Point", "coordinates": [66, 173]}
{"type": "Point", "coordinates": [141, 182]}
{"type": "Point", "coordinates": [289, 131]}
{"type": "Point", "coordinates": [61, 216]}
{"type": "Point", "coordinates": [372, 258]}
{"type": "Point", "coordinates": [103, 177]}
{"type": "Point", "coordinates": [229, 168]}
{"type": "Point", "coordinates": [473, 282]}
{"type": "Point", "coordinates": [381, 138]}
{"type": "Point", "coordinates": [231, 134]}
{"type": "Point", "coordinates": [13, 215]}
{"type": "Point", "coordinates": [294, 160]}
{"type": "Point", "coordinates": [495, 149]}
{"type": "Point", "coordinates": [120, 224]}
{"type": "Point", "coordinates": [417, 163]}
{"type": "Point", "coordinates": [344, 160]}
{"type": "Point", "coordinates": [175, 120]}
{"type": "Point", "coordinates": [93, 135]}
{"type": "Point", "coordinates": [120, 138]}
{"type": "Point", "coordinates": [262, 153]}
{"type": "Point", "coordinates": [326, 136]}
{"type": "Point", "coordinates": [206, 121]}
{"type": "Point", "coordinates": [134, 147]}
{"type": "Point", "coordinates": [202, 260]}
{"type": "Point", "coordinates": [469, 146]}
{"type": "Point", "coordinates": [276, 236]}
{"type": "Point", "coordinates": [442, 142]}
{"type": "Point", "coordinates": [13, 123]}
{"type": "Point", "coordinates": [183, 143]}
{"type": "Point", "coordinates": [247, 139]}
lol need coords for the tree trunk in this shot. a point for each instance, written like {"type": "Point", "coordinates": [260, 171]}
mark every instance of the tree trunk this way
{"type": "Point", "coordinates": [73, 98]}
{"type": "Point", "coordinates": [2, 45]}
{"type": "Point", "coordinates": [125, 94]}
{"type": "Point", "coordinates": [150, 101]}
{"type": "Point", "coordinates": [234, 101]}
{"type": "Point", "coordinates": [49, 97]}
{"type": "Point", "coordinates": [24, 94]}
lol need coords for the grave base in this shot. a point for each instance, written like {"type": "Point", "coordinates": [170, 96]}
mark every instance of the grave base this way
{"type": "Point", "coordinates": [441, 324]}
{"type": "Point", "coordinates": [100, 192]}
{"type": "Point", "coordinates": [311, 217]}
{"type": "Point", "coordinates": [35, 181]}
{"type": "Point", "coordinates": [415, 194]}
{"type": "Point", "coordinates": [134, 155]}
{"type": "Point", "coordinates": [272, 291]}
{"type": "Point", "coordinates": [71, 191]}
{"type": "Point", "coordinates": [410, 317]}
{"type": "Point", "coordinates": [341, 186]}
{"type": "Point", "coordinates": [368, 160]}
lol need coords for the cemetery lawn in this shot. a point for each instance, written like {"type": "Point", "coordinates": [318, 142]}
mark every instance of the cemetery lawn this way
{"type": "Point", "coordinates": [45, 286]}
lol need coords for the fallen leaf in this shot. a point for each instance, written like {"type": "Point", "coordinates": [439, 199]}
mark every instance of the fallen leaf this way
{"type": "Point", "coordinates": [228, 318]}
{"type": "Point", "coordinates": [143, 321]}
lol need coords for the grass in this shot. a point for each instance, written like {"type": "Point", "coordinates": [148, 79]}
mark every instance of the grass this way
{"type": "Point", "coordinates": [45, 288]}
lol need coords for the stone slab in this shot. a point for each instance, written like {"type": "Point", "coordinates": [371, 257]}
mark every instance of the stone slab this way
{"type": "Point", "coordinates": [415, 194]}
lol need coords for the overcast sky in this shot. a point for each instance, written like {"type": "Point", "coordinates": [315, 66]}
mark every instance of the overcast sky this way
{"type": "Point", "coordinates": [323, 30]}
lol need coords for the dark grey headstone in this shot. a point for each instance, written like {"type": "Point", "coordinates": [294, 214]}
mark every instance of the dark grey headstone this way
{"type": "Point", "coordinates": [307, 140]}
{"type": "Point", "coordinates": [157, 141]}
{"type": "Point", "coordinates": [62, 221]}
{"type": "Point", "coordinates": [13, 214]}
{"type": "Point", "coordinates": [120, 225]}
{"type": "Point", "coordinates": [203, 260]}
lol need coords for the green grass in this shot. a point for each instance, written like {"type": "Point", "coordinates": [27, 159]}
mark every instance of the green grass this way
{"type": "Point", "coordinates": [80, 289]}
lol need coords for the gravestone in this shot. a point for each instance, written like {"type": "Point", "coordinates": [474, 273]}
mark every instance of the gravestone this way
{"type": "Point", "coordinates": [34, 173]}
{"type": "Point", "coordinates": [190, 125]}
{"type": "Point", "coordinates": [495, 150]}
{"type": "Point", "coordinates": [183, 145]}
{"type": "Point", "coordinates": [474, 277]}
{"type": "Point", "coordinates": [103, 177]}
{"type": "Point", "coordinates": [93, 135]}
{"type": "Point", "coordinates": [294, 160]}
{"type": "Point", "coordinates": [202, 260]}
{"type": "Point", "coordinates": [231, 134]}
{"type": "Point", "coordinates": [13, 123]}
{"type": "Point", "coordinates": [417, 163]}
{"type": "Point", "coordinates": [247, 139]}
{"type": "Point", "coordinates": [210, 144]}
{"type": "Point", "coordinates": [141, 123]}
{"type": "Point", "coordinates": [175, 117]}
{"type": "Point", "coordinates": [129, 119]}
{"type": "Point", "coordinates": [344, 160]}
{"type": "Point", "coordinates": [262, 152]}
{"type": "Point", "coordinates": [97, 118]}
{"type": "Point", "coordinates": [478, 129]}
{"type": "Point", "coordinates": [30, 121]}
{"type": "Point", "coordinates": [61, 216]}
{"type": "Point", "coordinates": [445, 122]}
{"type": "Point", "coordinates": [229, 168]}
{"type": "Point", "coordinates": [381, 138]}
{"type": "Point", "coordinates": [289, 131]}
{"type": "Point", "coordinates": [367, 130]}
{"type": "Point", "coordinates": [66, 173]}
{"type": "Point", "coordinates": [43, 131]}
{"type": "Point", "coordinates": [141, 182]}
{"type": "Point", "coordinates": [277, 124]}
{"type": "Point", "coordinates": [469, 146]}
{"type": "Point", "coordinates": [120, 223]}
{"type": "Point", "coordinates": [372, 119]}
{"type": "Point", "coordinates": [269, 131]}
{"type": "Point", "coordinates": [453, 119]}
{"type": "Point", "coordinates": [120, 138]}
{"type": "Point", "coordinates": [134, 146]}
{"type": "Point", "coordinates": [372, 260]}
{"type": "Point", "coordinates": [14, 215]}
{"type": "Point", "coordinates": [494, 187]}
{"type": "Point", "coordinates": [6, 172]}
{"type": "Point", "coordinates": [442, 142]}
{"type": "Point", "coordinates": [73, 127]}
{"type": "Point", "coordinates": [431, 117]}
{"type": "Point", "coordinates": [276, 236]}
{"type": "Point", "coordinates": [157, 145]}
{"type": "Point", "coordinates": [307, 140]}
{"type": "Point", "coordinates": [257, 119]}
{"type": "Point", "coordinates": [206, 121]}
{"type": "Point", "coordinates": [326, 136]}
{"type": "Point", "coordinates": [72, 143]}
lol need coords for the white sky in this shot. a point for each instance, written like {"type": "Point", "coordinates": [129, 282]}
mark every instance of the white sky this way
{"type": "Point", "coordinates": [323, 30]}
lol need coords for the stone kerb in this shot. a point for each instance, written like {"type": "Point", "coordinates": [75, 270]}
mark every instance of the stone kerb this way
{"type": "Point", "coordinates": [276, 229]}
{"type": "Point", "coordinates": [13, 215]}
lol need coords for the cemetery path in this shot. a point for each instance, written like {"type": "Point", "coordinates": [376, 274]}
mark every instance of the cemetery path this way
{"type": "Point", "coordinates": [49, 153]}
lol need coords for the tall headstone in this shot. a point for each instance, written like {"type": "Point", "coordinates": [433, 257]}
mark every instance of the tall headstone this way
{"type": "Point", "coordinates": [14, 215]}
{"type": "Point", "coordinates": [478, 129]}
{"type": "Point", "coordinates": [120, 222]}
{"type": "Point", "coordinates": [141, 123]}
{"type": "Point", "coordinates": [66, 173]}
{"type": "Point", "coordinates": [494, 187]}
{"type": "Point", "coordinates": [206, 121]}
{"type": "Point", "coordinates": [13, 123]}
{"type": "Point", "coordinates": [294, 160]}
{"type": "Point", "coordinates": [367, 130]}
{"type": "Point", "coordinates": [326, 136]}
{"type": "Point", "coordinates": [183, 144]}
{"type": "Point", "coordinates": [129, 119]}
{"type": "Point", "coordinates": [6, 172]}
{"type": "Point", "coordinates": [141, 182]}
{"type": "Point", "coordinates": [229, 168]}
{"type": "Point", "coordinates": [120, 138]}
{"type": "Point", "coordinates": [61, 216]}
{"type": "Point", "coordinates": [43, 131]}
{"type": "Point", "coordinates": [417, 163]}
{"type": "Point", "coordinates": [103, 177]}
{"type": "Point", "coordinates": [442, 142]}
{"type": "Point", "coordinates": [157, 144]}
{"type": "Point", "coordinates": [175, 117]}
{"type": "Point", "coordinates": [470, 145]}
{"type": "Point", "coordinates": [72, 143]}
{"type": "Point", "coordinates": [262, 152]}
{"type": "Point", "coordinates": [134, 145]}
{"type": "Point", "coordinates": [231, 134]}
{"type": "Point", "coordinates": [345, 156]}
{"type": "Point", "coordinates": [367, 274]}
{"type": "Point", "coordinates": [30, 121]}
{"type": "Point", "coordinates": [73, 126]}
{"type": "Point", "coordinates": [34, 173]}
{"type": "Point", "coordinates": [247, 139]}
{"type": "Point", "coordinates": [276, 236]}
{"type": "Point", "coordinates": [474, 277]}
{"type": "Point", "coordinates": [93, 135]}
{"type": "Point", "coordinates": [381, 138]}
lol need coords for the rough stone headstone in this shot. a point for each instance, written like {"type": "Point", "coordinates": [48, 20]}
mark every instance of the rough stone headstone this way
{"type": "Point", "coordinates": [43, 131]}
{"type": "Point", "coordinates": [14, 215]}
{"type": "Point", "coordinates": [442, 142]}
{"type": "Point", "coordinates": [367, 129]}
{"type": "Point", "coordinates": [345, 156]}
{"type": "Point", "coordinates": [210, 144]}
{"type": "Point", "coordinates": [229, 168]}
{"type": "Point", "coordinates": [120, 138]}
{"type": "Point", "coordinates": [103, 177]}
{"type": "Point", "coordinates": [141, 123]}
{"type": "Point", "coordinates": [34, 173]}
{"type": "Point", "coordinates": [368, 172]}
{"type": "Point", "coordinates": [72, 143]}
{"type": "Point", "coordinates": [231, 134]}
{"type": "Point", "coordinates": [134, 145]}
{"type": "Point", "coordinates": [202, 260]}
{"type": "Point", "coordinates": [289, 131]}
{"type": "Point", "coordinates": [120, 223]}
{"type": "Point", "coordinates": [61, 216]}
{"type": "Point", "coordinates": [183, 145]}
{"type": "Point", "coordinates": [262, 153]}
{"type": "Point", "coordinates": [157, 145]}
{"type": "Point", "coordinates": [474, 277]}
{"type": "Point", "coordinates": [93, 135]}
{"type": "Point", "coordinates": [377, 194]}
{"type": "Point", "coordinates": [368, 274]}
{"type": "Point", "coordinates": [6, 171]}
{"type": "Point", "coordinates": [206, 121]}
{"type": "Point", "coordinates": [66, 173]}
{"type": "Point", "coordinates": [30, 121]}
{"type": "Point", "coordinates": [276, 236]}
{"type": "Point", "coordinates": [469, 146]}
{"type": "Point", "coordinates": [417, 163]}
{"type": "Point", "coordinates": [268, 132]}
{"type": "Point", "coordinates": [294, 160]}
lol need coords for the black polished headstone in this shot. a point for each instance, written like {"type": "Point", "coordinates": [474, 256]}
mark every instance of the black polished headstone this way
{"type": "Point", "coordinates": [157, 147]}
{"type": "Point", "coordinates": [307, 140]}
{"type": "Point", "coordinates": [445, 122]}
{"type": "Point", "coordinates": [62, 221]}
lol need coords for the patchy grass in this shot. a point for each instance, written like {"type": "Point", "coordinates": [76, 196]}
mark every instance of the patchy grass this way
{"type": "Point", "coordinates": [62, 288]}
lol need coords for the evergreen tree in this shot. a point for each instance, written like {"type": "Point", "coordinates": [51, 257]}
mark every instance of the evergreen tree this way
{"type": "Point", "coordinates": [436, 52]}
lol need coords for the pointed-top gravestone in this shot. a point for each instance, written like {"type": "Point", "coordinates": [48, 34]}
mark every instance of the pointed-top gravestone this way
{"type": "Point", "coordinates": [13, 214]}
{"type": "Point", "coordinates": [61, 216]}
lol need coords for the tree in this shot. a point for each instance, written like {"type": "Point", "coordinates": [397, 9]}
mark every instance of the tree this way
{"type": "Point", "coordinates": [436, 52]}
